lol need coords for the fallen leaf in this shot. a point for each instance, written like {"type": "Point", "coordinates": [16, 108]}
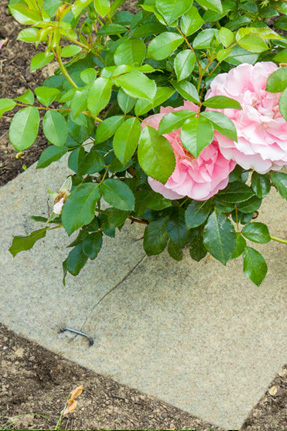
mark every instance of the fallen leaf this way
{"type": "Point", "coordinates": [71, 407]}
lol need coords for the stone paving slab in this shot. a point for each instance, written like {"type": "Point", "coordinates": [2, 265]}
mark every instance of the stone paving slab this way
{"type": "Point", "coordinates": [199, 336]}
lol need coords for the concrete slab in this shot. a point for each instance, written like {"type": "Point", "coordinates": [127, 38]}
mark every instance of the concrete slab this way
{"type": "Point", "coordinates": [199, 336]}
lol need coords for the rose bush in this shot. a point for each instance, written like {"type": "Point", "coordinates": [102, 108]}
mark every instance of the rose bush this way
{"type": "Point", "coordinates": [175, 116]}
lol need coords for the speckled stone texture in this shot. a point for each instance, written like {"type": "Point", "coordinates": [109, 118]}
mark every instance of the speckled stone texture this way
{"type": "Point", "coordinates": [197, 335]}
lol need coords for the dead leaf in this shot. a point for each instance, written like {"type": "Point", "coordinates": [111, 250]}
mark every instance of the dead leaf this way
{"type": "Point", "coordinates": [71, 407]}
{"type": "Point", "coordinates": [74, 394]}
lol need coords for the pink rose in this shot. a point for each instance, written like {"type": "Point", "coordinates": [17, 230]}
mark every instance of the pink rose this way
{"type": "Point", "coordinates": [261, 129]}
{"type": "Point", "coordinates": [199, 178]}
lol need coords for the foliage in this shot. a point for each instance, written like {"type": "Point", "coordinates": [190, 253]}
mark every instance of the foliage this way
{"type": "Point", "coordinates": [116, 69]}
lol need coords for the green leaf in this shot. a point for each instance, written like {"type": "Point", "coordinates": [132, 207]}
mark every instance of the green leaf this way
{"type": "Point", "coordinates": [108, 127]}
{"type": "Point", "coordinates": [235, 192]}
{"type": "Point", "coordinates": [211, 4]}
{"type": "Point", "coordinates": [249, 206]}
{"type": "Point", "coordinates": [40, 60]}
{"type": "Point", "coordinates": [162, 94]}
{"type": "Point", "coordinates": [174, 120]}
{"type": "Point", "coordinates": [28, 35]}
{"type": "Point", "coordinates": [204, 38]}
{"type": "Point", "coordinates": [283, 104]}
{"type": "Point", "coordinates": [130, 52]}
{"type": "Point", "coordinates": [175, 251]}
{"type": "Point", "coordinates": [221, 123]}
{"type": "Point", "coordinates": [149, 29]}
{"type": "Point", "coordinates": [148, 199]}
{"type": "Point", "coordinates": [93, 244]}
{"type": "Point", "coordinates": [196, 134]}
{"type": "Point", "coordinates": [102, 7]}
{"type": "Point", "coordinates": [163, 45]}
{"type": "Point", "coordinates": [75, 261]}
{"type": "Point", "coordinates": [24, 128]}
{"type": "Point", "coordinates": [222, 54]}
{"type": "Point", "coordinates": [27, 97]}
{"type": "Point", "coordinates": [171, 10]}
{"type": "Point", "coordinates": [176, 227]}
{"type": "Point", "coordinates": [70, 51]}
{"type": "Point", "coordinates": [126, 103]}
{"type": "Point", "coordinates": [219, 237]}
{"type": "Point", "coordinates": [260, 184]}
{"type": "Point", "coordinates": [55, 128]}
{"type": "Point", "coordinates": [117, 218]}
{"type": "Point", "coordinates": [79, 6]}
{"type": "Point", "coordinates": [92, 162]}
{"type": "Point", "coordinates": [197, 212]}
{"type": "Point", "coordinates": [191, 21]}
{"type": "Point", "coordinates": [6, 105]}
{"type": "Point", "coordinates": [221, 102]}
{"type": "Point", "coordinates": [240, 246]}
{"type": "Point", "coordinates": [88, 75]}
{"type": "Point", "coordinates": [79, 208]}
{"type": "Point", "coordinates": [24, 15]}
{"type": "Point", "coordinates": [254, 265]}
{"type": "Point", "coordinates": [184, 64]}
{"type": "Point", "coordinates": [155, 237]}
{"type": "Point", "coordinates": [50, 155]}
{"type": "Point", "coordinates": [197, 250]}
{"type": "Point", "coordinates": [79, 102]}
{"type": "Point", "coordinates": [22, 243]}
{"type": "Point", "coordinates": [46, 95]}
{"type": "Point", "coordinates": [136, 84]}
{"type": "Point", "coordinates": [239, 55]}
{"type": "Point", "coordinates": [253, 43]}
{"type": "Point", "coordinates": [76, 158]}
{"type": "Point", "coordinates": [279, 179]}
{"type": "Point", "coordinates": [225, 36]}
{"type": "Point", "coordinates": [256, 232]}
{"type": "Point", "coordinates": [155, 155]}
{"type": "Point", "coordinates": [118, 194]}
{"type": "Point", "coordinates": [99, 95]}
{"type": "Point", "coordinates": [187, 90]}
{"type": "Point", "coordinates": [126, 139]}
{"type": "Point", "coordinates": [111, 29]}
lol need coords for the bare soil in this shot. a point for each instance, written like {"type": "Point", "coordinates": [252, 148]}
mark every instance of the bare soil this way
{"type": "Point", "coordinates": [35, 382]}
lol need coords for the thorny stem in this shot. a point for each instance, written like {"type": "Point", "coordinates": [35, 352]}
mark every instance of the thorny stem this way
{"type": "Point", "coordinates": [41, 107]}
{"type": "Point", "coordinates": [136, 220]}
{"type": "Point", "coordinates": [236, 216]}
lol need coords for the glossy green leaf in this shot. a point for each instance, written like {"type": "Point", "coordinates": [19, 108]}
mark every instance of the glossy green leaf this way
{"type": "Point", "coordinates": [196, 133]}
{"type": "Point", "coordinates": [256, 232]}
{"type": "Point", "coordinates": [40, 60]}
{"type": "Point", "coordinates": [240, 246]}
{"type": "Point", "coordinates": [75, 261]}
{"type": "Point", "coordinates": [111, 29]}
{"type": "Point", "coordinates": [254, 265]}
{"type": "Point", "coordinates": [162, 94]}
{"type": "Point", "coordinates": [46, 95]}
{"type": "Point", "coordinates": [136, 84]}
{"type": "Point", "coordinates": [253, 43]}
{"type": "Point", "coordinates": [27, 97]}
{"type": "Point", "coordinates": [197, 249]}
{"type": "Point", "coordinates": [55, 128]}
{"type": "Point", "coordinates": [28, 35]}
{"type": "Point", "coordinates": [221, 123]}
{"type": "Point", "coordinates": [79, 208]}
{"type": "Point", "coordinates": [221, 102]}
{"type": "Point", "coordinates": [219, 237]}
{"type": "Point", "coordinates": [108, 127]}
{"type": "Point", "coordinates": [70, 50]}
{"type": "Point", "coordinates": [126, 103]}
{"type": "Point", "coordinates": [50, 155]}
{"type": "Point", "coordinates": [250, 206]}
{"type": "Point", "coordinates": [24, 15]}
{"type": "Point", "coordinates": [93, 244]}
{"type": "Point", "coordinates": [117, 218]}
{"type": "Point", "coordinates": [175, 251]}
{"type": "Point", "coordinates": [163, 45]}
{"type": "Point", "coordinates": [279, 179]}
{"type": "Point", "coordinates": [155, 237]}
{"type": "Point", "coordinates": [197, 212]}
{"type": "Point", "coordinates": [187, 90]}
{"type": "Point", "coordinates": [176, 227]}
{"type": "Point", "coordinates": [88, 75]}
{"type": "Point", "coordinates": [174, 120]}
{"type": "Point", "coordinates": [235, 192]}
{"type": "Point", "coordinates": [211, 4]}
{"type": "Point", "coordinates": [184, 64]}
{"type": "Point", "coordinates": [225, 36]}
{"type": "Point", "coordinates": [92, 162]}
{"type": "Point", "coordinates": [148, 199]}
{"type": "Point", "coordinates": [171, 10]}
{"type": "Point", "coordinates": [24, 128]}
{"type": "Point", "coordinates": [149, 29]}
{"type": "Point", "coordinates": [6, 105]}
{"type": "Point", "coordinates": [118, 194]}
{"type": "Point", "coordinates": [102, 7]}
{"type": "Point", "coordinates": [126, 139]}
{"type": "Point", "coordinates": [260, 184]}
{"type": "Point", "coordinates": [76, 158]}
{"type": "Point", "coordinates": [22, 243]}
{"type": "Point", "coordinates": [204, 38]}
{"type": "Point", "coordinates": [191, 21]}
{"type": "Point", "coordinates": [79, 102]}
{"type": "Point", "coordinates": [131, 51]}
{"type": "Point", "coordinates": [99, 95]}
{"type": "Point", "coordinates": [155, 155]}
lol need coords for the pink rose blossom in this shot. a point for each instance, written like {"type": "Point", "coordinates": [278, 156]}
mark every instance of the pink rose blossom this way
{"type": "Point", "coordinates": [261, 129]}
{"type": "Point", "coordinates": [199, 178]}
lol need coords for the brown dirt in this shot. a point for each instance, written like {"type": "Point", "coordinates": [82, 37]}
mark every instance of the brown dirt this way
{"type": "Point", "coordinates": [35, 382]}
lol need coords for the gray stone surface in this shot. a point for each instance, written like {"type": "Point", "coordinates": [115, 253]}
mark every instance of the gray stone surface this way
{"type": "Point", "coordinates": [197, 335]}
